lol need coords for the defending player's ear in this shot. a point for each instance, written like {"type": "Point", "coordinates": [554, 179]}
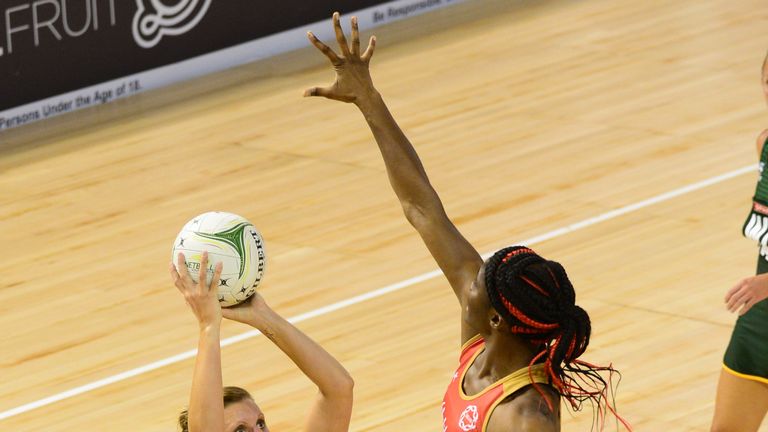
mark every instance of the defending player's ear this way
{"type": "Point", "coordinates": [496, 321]}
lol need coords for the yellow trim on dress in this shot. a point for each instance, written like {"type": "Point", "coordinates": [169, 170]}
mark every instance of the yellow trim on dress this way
{"type": "Point", "coordinates": [466, 344]}
{"type": "Point", "coordinates": [745, 376]}
{"type": "Point", "coordinates": [514, 382]}
{"type": "Point", "coordinates": [511, 383]}
{"type": "Point", "coordinates": [464, 373]}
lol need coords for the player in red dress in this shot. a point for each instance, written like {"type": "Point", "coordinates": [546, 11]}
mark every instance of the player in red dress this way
{"type": "Point", "coordinates": [521, 332]}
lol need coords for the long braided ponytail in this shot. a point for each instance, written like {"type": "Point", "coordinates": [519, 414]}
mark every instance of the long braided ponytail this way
{"type": "Point", "coordinates": [537, 299]}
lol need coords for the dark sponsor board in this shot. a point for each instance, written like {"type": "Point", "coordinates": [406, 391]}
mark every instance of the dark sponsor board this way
{"type": "Point", "coordinates": [53, 64]}
{"type": "Point", "coordinates": [50, 47]}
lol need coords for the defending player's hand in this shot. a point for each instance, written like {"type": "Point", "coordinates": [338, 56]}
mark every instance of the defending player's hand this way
{"type": "Point", "coordinates": [353, 79]}
{"type": "Point", "coordinates": [248, 312]}
{"type": "Point", "coordinates": [201, 297]}
{"type": "Point", "coordinates": [746, 293]}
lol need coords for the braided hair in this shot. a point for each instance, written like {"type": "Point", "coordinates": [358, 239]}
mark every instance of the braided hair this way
{"type": "Point", "coordinates": [537, 299]}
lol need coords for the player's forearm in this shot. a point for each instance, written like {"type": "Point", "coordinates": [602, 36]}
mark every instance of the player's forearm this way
{"type": "Point", "coordinates": [404, 168]}
{"type": "Point", "coordinates": [317, 364]}
{"type": "Point", "coordinates": [206, 404]}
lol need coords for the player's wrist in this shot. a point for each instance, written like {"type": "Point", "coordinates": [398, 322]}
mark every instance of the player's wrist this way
{"type": "Point", "coordinates": [211, 328]}
{"type": "Point", "coordinates": [263, 317]}
{"type": "Point", "coordinates": [369, 101]}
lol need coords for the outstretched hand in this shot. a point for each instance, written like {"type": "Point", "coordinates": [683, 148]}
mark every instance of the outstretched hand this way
{"type": "Point", "coordinates": [201, 297]}
{"type": "Point", "coordinates": [746, 293]}
{"type": "Point", "coordinates": [353, 79]}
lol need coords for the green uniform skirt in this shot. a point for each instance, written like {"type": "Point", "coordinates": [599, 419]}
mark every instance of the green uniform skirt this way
{"type": "Point", "coordinates": [747, 354]}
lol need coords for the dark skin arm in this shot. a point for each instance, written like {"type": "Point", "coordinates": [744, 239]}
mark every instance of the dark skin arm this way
{"type": "Point", "coordinates": [421, 205]}
{"type": "Point", "coordinates": [458, 260]}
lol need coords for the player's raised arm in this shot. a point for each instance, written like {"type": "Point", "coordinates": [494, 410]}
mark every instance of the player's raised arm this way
{"type": "Point", "coordinates": [458, 260]}
{"type": "Point", "coordinates": [332, 409]}
{"type": "Point", "coordinates": [206, 404]}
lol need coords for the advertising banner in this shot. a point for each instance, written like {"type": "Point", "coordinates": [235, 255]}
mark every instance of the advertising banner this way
{"type": "Point", "coordinates": [60, 55]}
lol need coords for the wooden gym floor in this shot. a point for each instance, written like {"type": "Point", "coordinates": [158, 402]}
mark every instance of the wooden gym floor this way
{"type": "Point", "coordinates": [529, 116]}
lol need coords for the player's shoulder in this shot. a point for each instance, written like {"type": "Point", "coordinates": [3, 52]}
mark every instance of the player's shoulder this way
{"type": "Point", "coordinates": [761, 141]}
{"type": "Point", "coordinates": [527, 412]}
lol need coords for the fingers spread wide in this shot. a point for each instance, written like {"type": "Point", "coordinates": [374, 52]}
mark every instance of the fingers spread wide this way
{"type": "Point", "coordinates": [340, 38]}
{"type": "Point", "coordinates": [366, 57]}
{"type": "Point", "coordinates": [355, 37]}
{"type": "Point", "coordinates": [317, 91]}
{"type": "Point", "coordinates": [324, 48]}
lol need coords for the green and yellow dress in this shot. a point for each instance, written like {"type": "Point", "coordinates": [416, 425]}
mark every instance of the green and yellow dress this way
{"type": "Point", "coordinates": [747, 353]}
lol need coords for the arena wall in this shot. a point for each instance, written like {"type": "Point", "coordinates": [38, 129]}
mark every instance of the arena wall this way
{"type": "Point", "coordinates": [57, 56]}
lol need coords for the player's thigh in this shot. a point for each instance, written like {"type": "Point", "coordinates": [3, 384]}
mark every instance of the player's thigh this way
{"type": "Point", "coordinates": [740, 404]}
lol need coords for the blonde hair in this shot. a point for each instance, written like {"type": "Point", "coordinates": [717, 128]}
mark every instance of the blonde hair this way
{"type": "Point", "coordinates": [231, 395]}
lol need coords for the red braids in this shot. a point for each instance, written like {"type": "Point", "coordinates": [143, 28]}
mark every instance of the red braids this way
{"type": "Point", "coordinates": [537, 299]}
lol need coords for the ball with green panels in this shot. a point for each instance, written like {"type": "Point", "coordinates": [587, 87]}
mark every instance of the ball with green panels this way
{"type": "Point", "coordinates": [231, 240]}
